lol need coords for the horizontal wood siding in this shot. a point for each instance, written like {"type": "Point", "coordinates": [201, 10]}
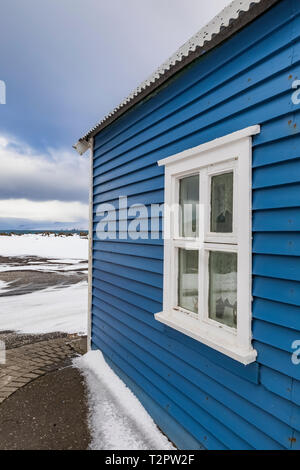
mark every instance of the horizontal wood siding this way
{"type": "Point", "coordinates": [199, 397]}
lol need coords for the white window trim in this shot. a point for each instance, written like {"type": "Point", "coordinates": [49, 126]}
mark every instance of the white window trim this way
{"type": "Point", "coordinates": [231, 151]}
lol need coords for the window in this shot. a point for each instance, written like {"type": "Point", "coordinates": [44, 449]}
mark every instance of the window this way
{"type": "Point", "coordinates": [207, 244]}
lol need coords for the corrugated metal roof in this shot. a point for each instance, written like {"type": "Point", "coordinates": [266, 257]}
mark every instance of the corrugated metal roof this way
{"type": "Point", "coordinates": [230, 20]}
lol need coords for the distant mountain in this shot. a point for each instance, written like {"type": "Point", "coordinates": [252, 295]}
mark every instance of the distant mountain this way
{"type": "Point", "coordinates": [25, 224]}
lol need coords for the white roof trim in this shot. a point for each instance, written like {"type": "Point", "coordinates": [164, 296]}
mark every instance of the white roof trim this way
{"type": "Point", "coordinates": [82, 146]}
{"type": "Point", "coordinates": [222, 20]}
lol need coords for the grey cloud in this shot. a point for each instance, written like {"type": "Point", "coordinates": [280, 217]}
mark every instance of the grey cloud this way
{"type": "Point", "coordinates": [57, 175]}
{"type": "Point", "coordinates": [66, 63]}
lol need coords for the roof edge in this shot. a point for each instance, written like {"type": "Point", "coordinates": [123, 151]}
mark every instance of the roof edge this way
{"type": "Point", "coordinates": [229, 21]}
{"type": "Point", "coordinates": [82, 145]}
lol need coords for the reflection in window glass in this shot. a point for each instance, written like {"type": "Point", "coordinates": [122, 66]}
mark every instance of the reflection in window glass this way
{"type": "Point", "coordinates": [189, 200]}
{"type": "Point", "coordinates": [188, 279]}
{"type": "Point", "coordinates": [222, 301]}
{"type": "Point", "coordinates": [221, 203]}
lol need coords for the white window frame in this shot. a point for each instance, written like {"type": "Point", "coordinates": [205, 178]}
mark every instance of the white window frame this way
{"type": "Point", "coordinates": [232, 152]}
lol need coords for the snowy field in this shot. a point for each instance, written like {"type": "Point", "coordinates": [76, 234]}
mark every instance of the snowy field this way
{"type": "Point", "coordinates": [51, 310]}
{"type": "Point", "coordinates": [60, 247]}
{"type": "Point", "coordinates": [61, 307]}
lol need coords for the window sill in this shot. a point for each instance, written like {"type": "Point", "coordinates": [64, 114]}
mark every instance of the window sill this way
{"type": "Point", "coordinates": [191, 327]}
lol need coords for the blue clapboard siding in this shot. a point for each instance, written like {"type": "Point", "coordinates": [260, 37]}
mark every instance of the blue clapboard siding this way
{"type": "Point", "coordinates": [199, 397]}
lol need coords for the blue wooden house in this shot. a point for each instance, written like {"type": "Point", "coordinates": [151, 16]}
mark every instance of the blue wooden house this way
{"type": "Point", "coordinates": [195, 223]}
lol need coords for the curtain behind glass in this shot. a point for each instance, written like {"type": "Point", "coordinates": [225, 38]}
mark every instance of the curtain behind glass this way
{"type": "Point", "coordinates": [189, 200]}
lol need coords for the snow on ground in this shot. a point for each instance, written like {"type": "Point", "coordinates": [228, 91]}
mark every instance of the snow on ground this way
{"type": "Point", "coordinates": [45, 267]}
{"type": "Point", "coordinates": [118, 421]}
{"type": "Point", "coordinates": [46, 311]}
{"type": "Point", "coordinates": [62, 309]}
{"type": "Point", "coordinates": [44, 246]}
{"type": "Point", "coordinates": [3, 288]}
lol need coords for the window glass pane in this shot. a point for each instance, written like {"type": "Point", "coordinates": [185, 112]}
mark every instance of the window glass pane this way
{"type": "Point", "coordinates": [221, 203]}
{"type": "Point", "coordinates": [189, 200]}
{"type": "Point", "coordinates": [222, 301]}
{"type": "Point", "coordinates": [188, 279]}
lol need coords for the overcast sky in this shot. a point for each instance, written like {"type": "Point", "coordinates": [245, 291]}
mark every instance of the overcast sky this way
{"type": "Point", "coordinates": [67, 63]}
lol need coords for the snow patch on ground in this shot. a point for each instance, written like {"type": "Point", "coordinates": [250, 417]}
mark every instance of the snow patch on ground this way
{"type": "Point", "coordinates": [3, 287]}
{"type": "Point", "coordinates": [46, 311]}
{"type": "Point", "coordinates": [118, 421]}
{"type": "Point", "coordinates": [45, 267]}
{"type": "Point", "coordinates": [48, 246]}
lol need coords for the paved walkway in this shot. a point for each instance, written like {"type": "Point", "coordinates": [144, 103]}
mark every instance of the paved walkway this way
{"type": "Point", "coordinates": [26, 363]}
{"type": "Point", "coordinates": [50, 413]}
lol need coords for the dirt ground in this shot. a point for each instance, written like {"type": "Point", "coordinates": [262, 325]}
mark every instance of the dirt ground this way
{"type": "Point", "coordinates": [27, 281]}
{"type": "Point", "coordinates": [49, 413]}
